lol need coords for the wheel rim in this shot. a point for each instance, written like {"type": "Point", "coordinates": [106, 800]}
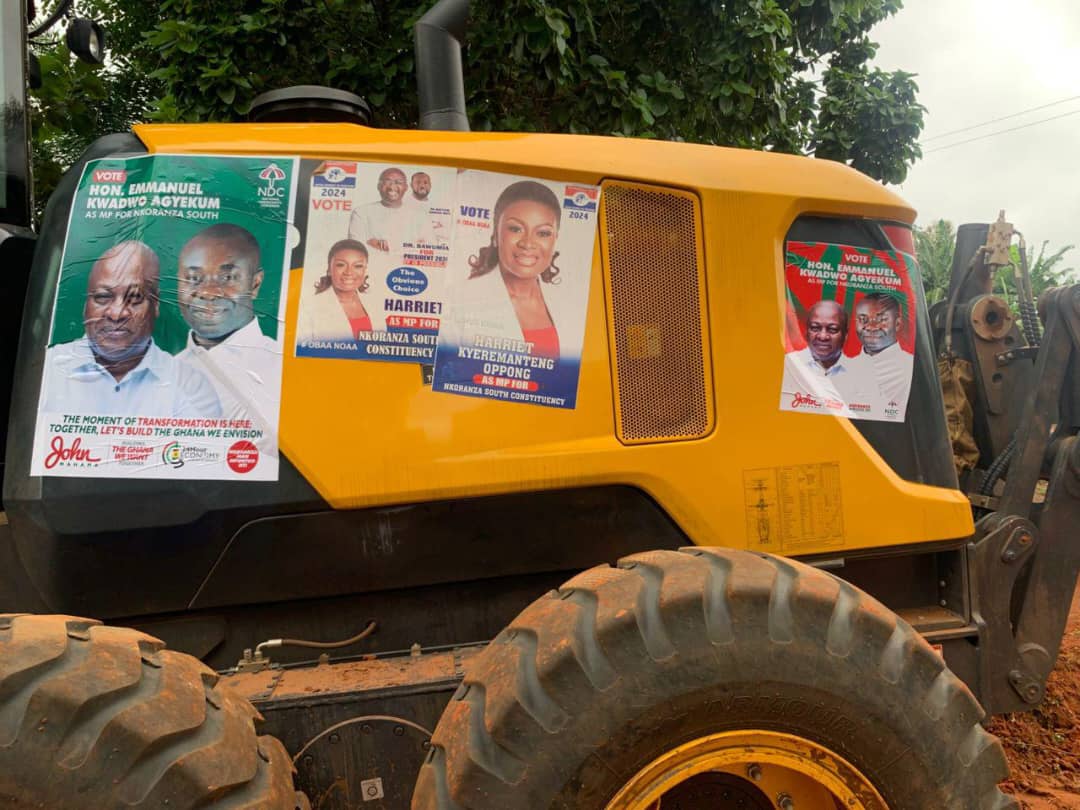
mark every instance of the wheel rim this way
{"type": "Point", "coordinates": [809, 774]}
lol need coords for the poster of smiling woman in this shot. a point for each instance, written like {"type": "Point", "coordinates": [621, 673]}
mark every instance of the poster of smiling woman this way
{"type": "Point", "coordinates": [518, 289]}
{"type": "Point", "coordinates": [850, 337]}
{"type": "Point", "coordinates": [377, 244]}
{"type": "Point", "coordinates": [166, 340]}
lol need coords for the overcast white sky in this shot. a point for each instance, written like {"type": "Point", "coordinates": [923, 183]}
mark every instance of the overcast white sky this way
{"type": "Point", "coordinates": [982, 59]}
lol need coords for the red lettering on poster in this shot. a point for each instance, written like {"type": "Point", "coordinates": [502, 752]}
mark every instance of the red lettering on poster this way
{"type": "Point", "coordinates": [75, 453]}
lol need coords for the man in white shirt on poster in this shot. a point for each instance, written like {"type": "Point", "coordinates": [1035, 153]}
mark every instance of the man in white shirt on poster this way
{"type": "Point", "coordinates": [218, 280]}
{"type": "Point", "coordinates": [821, 371]}
{"type": "Point", "coordinates": [116, 368]}
{"type": "Point", "coordinates": [878, 324]}
{"type": "Point", "coordinates": [394, 219]}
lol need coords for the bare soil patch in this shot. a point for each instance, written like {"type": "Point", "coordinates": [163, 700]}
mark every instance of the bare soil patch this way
{"type": "Point", "coordinates": [1043, 745]}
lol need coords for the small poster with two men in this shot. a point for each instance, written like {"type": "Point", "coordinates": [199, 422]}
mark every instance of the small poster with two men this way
{"type": "Point", "coordinates": [850, 332]}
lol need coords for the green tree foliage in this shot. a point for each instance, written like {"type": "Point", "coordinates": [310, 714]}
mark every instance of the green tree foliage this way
{"type": "Point", "coordinates": [734, 73]}
{"type": "Point", "coordinates": [77, 102]}
{"type": "Point", "coordinates": [789, 75]}
{"type": "Point", "coordinates": [1046, 271]}
{"type": "Point", "coordinates": [934, 247]}
{"type": "Point", "coordinates": [868, 118]}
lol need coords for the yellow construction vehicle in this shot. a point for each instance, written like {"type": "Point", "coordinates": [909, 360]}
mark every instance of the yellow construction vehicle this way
{"type": "Point", "coordinates": [489, 470]}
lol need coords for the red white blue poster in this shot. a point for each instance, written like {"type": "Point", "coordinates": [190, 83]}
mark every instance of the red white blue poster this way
{"type": "Point", "coordinates": [517, 289]}
{"type": "Point", "coordinates": [377, 246]}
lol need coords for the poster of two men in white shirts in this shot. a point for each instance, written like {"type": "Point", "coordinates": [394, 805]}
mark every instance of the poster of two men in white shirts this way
{"type": "Point", "coordinates": [166, 344]}
{"type": "Point", "coordinates": [851, 350]}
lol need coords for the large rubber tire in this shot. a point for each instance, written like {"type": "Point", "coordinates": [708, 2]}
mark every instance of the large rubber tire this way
{"type": "Point", "coordinates": [104, 717]}
{"type": "Point", "coordinates": [599, 678]}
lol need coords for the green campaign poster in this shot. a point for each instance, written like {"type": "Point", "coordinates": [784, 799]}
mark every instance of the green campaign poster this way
{"type": "Point", "coordinates": [165, 350]}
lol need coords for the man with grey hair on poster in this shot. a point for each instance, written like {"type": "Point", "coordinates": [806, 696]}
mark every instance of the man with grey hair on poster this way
{"type": "Point", "coordinates": [115, 368]}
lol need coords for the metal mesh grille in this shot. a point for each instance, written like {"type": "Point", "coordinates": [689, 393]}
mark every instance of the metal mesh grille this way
{"type": "Point", "coordinates": [651, 245]}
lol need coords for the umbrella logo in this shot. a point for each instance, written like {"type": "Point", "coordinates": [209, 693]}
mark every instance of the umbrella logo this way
{"type": "Point", "coordinates": [271, 194]}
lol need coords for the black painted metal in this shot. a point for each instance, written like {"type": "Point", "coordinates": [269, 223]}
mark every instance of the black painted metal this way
{"type": "Point", "coordinates": [438, 36]}
{"type": "Point", "coordinates": [917, 449]}
{"type": "Point", "coordinates": [348, 746]}
{"type": "Point", "coordinates": [1025, 558]}
{"type": "Point", "coordinates": [15, 192]}
{"type": "Point", "coordinates": [16, 253]}
{"type": "Point", "coordinates": [310, 103]}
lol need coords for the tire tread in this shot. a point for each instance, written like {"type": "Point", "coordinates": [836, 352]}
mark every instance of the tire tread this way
{"type": "Point", "coordinates": [108, 719]}
{"type": "Point", "coordinates": [467, 765]}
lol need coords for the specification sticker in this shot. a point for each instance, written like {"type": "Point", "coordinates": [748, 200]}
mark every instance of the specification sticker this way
{"type": "Point", "coordinates": [790, 508]}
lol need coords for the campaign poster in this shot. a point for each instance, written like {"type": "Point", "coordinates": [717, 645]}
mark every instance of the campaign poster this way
{"type": "Point", "coordinates": [376, 250]}
{"type": "Point", "coordinates": [166, 339]}
{"type": "Point", "coordinates": [850, 331]}
{"type": "Point", "coordinates": [518, 289]}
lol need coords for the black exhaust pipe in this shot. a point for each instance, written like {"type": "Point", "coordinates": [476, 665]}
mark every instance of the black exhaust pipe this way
{"type": "Point", "coordinates": [439, 78]}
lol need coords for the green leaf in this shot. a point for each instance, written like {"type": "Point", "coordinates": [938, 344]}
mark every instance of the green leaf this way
{"type": "Point", "coordinates": [721, 72]}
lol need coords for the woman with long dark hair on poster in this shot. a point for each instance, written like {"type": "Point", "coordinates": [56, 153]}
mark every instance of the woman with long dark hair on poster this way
{"type": "Point", "coordinates": [336, 311]}
{"type": "Point", "coordinates": [522, 257]}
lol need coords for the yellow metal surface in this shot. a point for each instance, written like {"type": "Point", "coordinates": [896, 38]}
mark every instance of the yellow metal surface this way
{"type": "Point", "coordinates": [369, 433]}
{"type": "Point", "coordinates": [784, 764]}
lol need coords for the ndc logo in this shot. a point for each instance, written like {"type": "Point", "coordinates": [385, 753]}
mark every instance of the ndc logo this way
{"type": "Point", "coordinates": [580, 198]}
{"type": "Point", "coordinates": [271, 194]}
{"type": "Point", "coordinates": [336, 175]}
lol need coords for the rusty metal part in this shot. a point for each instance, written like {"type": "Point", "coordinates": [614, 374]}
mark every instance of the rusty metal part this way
{"type": "Point", "coordinates": [359, 730]}
{"type": "Point", "coordinates": [998, 239]}
{"type": "Point", "coordinates": [1019, 545]}
{"type": "Point", "coordinates": [983, 334]}
{"type": "Point", "coordinates": [818, 775]}
{"type": "Point", "coordinates": [983, 501]}
{"type": "Point", "coordinates": [1021, 353]}
{"type": "Point", "coordinates": [365, 675]}
{"type": "Point", "coordinates": [991, 317]}
{"type": "Point", "coordinates": [1041, 402]}
{"type": "Point", "coordinates": [259, 661]}
{"type": "Point", "coordinates": [256, 662]}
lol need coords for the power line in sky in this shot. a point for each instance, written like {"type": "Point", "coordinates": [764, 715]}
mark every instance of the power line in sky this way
{"type": "Point", "coordinates": [1002, 118]}
{"type": "Point", "coordinates": [1001, 132]}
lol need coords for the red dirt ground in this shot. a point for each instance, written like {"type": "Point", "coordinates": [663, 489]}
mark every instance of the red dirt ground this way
{"type": "Point", "coordinates": [1043, 746]}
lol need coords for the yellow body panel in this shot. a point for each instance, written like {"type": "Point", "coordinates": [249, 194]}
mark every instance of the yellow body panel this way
{"type": "Point", "coordinates": [370, 433]}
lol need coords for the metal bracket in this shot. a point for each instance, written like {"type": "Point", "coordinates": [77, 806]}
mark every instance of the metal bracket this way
{"type": "Point", "coordinates": [252, 663]}
{"type": "Point", "coordinates": [982, 501]}
{"type": "Point", "coordinates": [1027, 687]}
{"type": "Point", "coordinates": [1020, 543]}
{"type": "Point", "coordinates": [996, 559]}
{"type": "Point", "coordinates": [1022, 574]}
{"type": "Point", "coordinates": [1019, 353]}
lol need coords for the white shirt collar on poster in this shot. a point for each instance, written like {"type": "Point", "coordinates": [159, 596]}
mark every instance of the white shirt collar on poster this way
{"type": "Point", "coordinates": [157, 386]}
{"type": "Point", "coordinates": [245, 370]}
